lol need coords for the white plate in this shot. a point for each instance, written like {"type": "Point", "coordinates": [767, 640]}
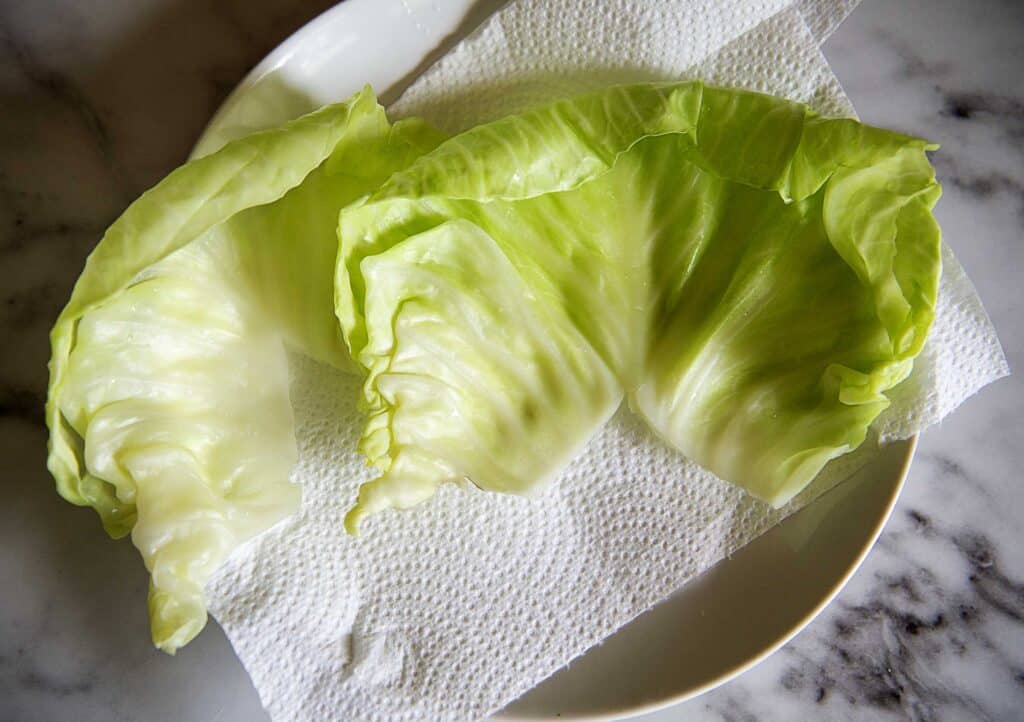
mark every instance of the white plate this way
{"type": "Point", "coordinates": [719, 624]}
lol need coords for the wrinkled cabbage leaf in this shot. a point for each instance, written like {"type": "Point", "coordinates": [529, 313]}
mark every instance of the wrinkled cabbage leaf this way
{"type": "Point", "coordinates": [751, 276]}
{"type": "Point", "coordinates": [168, 402]}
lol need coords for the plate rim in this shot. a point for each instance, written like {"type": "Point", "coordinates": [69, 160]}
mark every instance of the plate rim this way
{"type": "Point", "coordinates": [267, 64]}
{"type": "Point", "coordinates": [783, 639]}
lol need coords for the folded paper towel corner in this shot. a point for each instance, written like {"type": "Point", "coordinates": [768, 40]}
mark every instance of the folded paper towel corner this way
{"type": "Point", "coordinates": [423, 617]}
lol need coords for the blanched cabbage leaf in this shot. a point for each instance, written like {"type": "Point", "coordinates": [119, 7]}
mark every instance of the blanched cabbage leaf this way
{"type": "Point", "coordinates": [752, 276]}
{"type": "Point", "coordinates": [168, 403]}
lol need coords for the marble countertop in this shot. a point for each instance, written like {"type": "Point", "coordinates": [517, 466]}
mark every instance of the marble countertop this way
{"type": "Point", "coordinates": [100, 99]}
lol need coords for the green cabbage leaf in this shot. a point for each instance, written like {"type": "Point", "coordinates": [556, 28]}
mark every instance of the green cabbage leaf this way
{"type": "Point", "coordinates": [751, 276]}
{"type": "Point", "coordinates": [168, 401]}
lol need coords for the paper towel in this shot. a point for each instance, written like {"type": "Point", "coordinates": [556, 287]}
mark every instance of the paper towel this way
{"type": "Point", "coordinates": [452, 610]}
{"type": "Point", "coordinates": [536, 50]}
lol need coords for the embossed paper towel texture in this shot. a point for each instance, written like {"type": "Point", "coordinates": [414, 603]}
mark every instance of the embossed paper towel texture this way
{"type": "Point", "coordinates": [451, 611]}
{"type": "Point", "coordinates": [535, 50]}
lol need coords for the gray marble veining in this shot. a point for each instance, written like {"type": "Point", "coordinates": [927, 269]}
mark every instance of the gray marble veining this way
{"type": "Point", "coordinates": [98, 100]}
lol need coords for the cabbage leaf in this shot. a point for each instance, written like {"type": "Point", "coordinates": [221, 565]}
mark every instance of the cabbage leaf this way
{"type": "Point", "coordinates": [168, 402]}
{"type": "Point", "coordinates": [751, 276]}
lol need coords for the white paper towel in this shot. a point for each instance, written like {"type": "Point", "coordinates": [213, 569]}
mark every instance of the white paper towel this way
{"type": "Point", "coordinates": [451, 611]}
{"type": "Point", "coordinates": [536, 50]}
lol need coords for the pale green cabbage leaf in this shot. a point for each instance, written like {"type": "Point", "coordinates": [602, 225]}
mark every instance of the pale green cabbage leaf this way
{"type": "Point", "coordinates": [751, 276]}
{"type": "Point", "coordinates": [168, 402]}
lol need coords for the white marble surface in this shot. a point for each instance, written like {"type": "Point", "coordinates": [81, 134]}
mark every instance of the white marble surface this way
{"type": "Point", "coordinates": [100, 99]}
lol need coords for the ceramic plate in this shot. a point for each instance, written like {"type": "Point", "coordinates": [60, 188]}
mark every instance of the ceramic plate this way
{"type": "Point", "coordinates": [719, 624]}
